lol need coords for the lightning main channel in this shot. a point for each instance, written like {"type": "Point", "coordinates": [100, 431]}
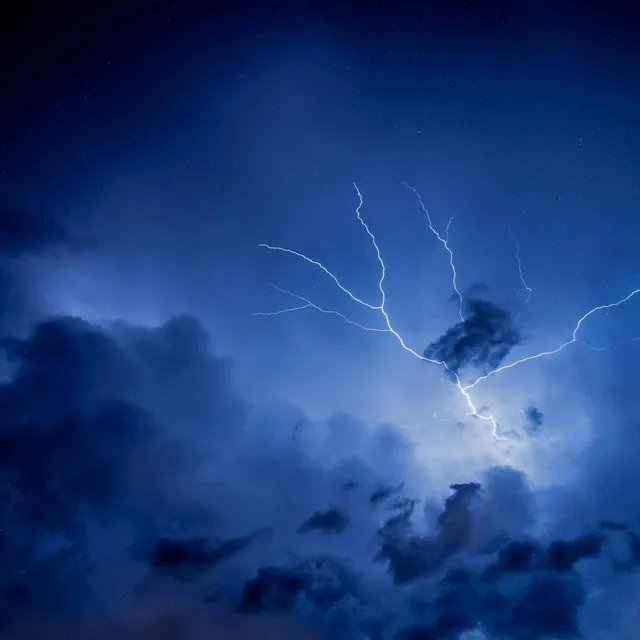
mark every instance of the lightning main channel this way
{"type": "Point", "coordinates": [381, 308]}
{"type": "Point", "coordinates": [463, 389]}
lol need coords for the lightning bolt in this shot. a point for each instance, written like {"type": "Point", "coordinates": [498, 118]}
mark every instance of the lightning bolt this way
{"type": "Point", "coordinates": [380, 308]}
{"type": "Point", "coordinates": [445, 243]}
{"type": "Point", "coordinates": [562, 347]}
{"type": "Point", "coordinates": [528, 289]}
{"type": "Point", "coordinates": [310, 305]}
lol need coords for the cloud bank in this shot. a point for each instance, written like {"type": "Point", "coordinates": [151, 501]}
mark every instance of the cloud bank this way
{"type": "Point", "coordinates": [134, 474]}
{"type": "Point", "coordinates": [131, 469]}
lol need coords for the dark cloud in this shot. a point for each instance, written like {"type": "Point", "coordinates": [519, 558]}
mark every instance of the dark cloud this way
{"type": "Point", "coordinates": [192, 552]}
{"type": "Point", "coordinates": [382, 493]}
{"type": "Point", "coordinates": [612, 525]}
{"type": "Point", "coordinates": [79, 451]}
{"type": "Point", "coordinates": [330, 521]}
{"type": "Point", "coordinates": [324, 582]}
{"type": "Point", "coordinates": [113, 436]}
{"type": "Point", "coordinates": [545, 606]}
{"type": "Point", "coordinates": [548, 607]}
{"type": "Point", "coordinates": [185, 558]}
{"type": "Point", "coordinates": [273, 589]}
{"type": "Point", "coordinates": [534, 419]}
{"type": "Point", "coordinates": [412, 556]}
{"type": "Point", "coordinates": [405, 504]}
{"type": "Point", "coordinates": [482, 340]}
{"type": "Point", "coordinates": [135, 436]}
{"type": "Point", "coordinates": [516, 557]}
{"type": "Point", "coordinates": [562, 555]}
{"type": "Point", "coordinates": [230, 548]}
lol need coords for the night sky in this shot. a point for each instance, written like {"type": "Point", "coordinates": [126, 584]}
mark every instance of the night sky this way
{"type": "Point", "coordinates": [296, 337]}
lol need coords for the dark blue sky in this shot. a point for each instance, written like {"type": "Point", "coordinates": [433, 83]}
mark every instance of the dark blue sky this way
{"type": "Point", "coordinates": [149, 148]}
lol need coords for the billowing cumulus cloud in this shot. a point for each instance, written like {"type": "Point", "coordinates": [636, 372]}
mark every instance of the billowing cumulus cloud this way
{"type": "Point", "coordinates": [410, 556]}
{"type": "Point", "coordinates": [130, 466]}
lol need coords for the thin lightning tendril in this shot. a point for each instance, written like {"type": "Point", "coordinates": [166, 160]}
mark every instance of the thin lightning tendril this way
{"type": "Point", "coordinates": [310, 305]}
{"type": "Point", "coordinates": [464, 390]}
{"type": "Point", "coordinates": [528, 289]}
{"type": "Point", "coordinates": [574, 339]}
{"type": "Point", "coordinates": [445, 243]}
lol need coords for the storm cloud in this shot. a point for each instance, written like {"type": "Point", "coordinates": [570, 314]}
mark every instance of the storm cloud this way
{"type": "Point", "coordinates": [172, 465]}
{"type": "Point", "coordinates": [125, 446]}
{"type": "Point", "coordinates": [482, 340]}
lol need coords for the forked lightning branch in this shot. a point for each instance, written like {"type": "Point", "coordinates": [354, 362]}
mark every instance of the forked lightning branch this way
{"type": "Point", "coordinates": [379, 307]}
